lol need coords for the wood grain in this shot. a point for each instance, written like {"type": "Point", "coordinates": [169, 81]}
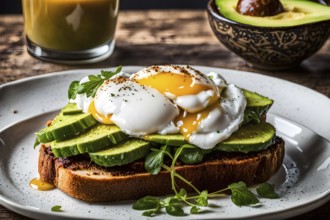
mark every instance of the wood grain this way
{"type": "Point", "coordinates": [158, 37]}
{"type": "Point", "coordinates": [155, 37]}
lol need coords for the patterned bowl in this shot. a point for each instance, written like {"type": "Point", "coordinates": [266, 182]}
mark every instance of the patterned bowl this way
{"type": "Point", "coordinates": [271, 48]}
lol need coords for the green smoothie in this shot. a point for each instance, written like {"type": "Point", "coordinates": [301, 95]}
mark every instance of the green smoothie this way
{"type": "Point", "coordinates": [70, 25]}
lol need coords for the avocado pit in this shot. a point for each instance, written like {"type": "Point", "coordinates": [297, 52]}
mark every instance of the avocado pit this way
{"type": "Point", "coordinates": [259, 8]}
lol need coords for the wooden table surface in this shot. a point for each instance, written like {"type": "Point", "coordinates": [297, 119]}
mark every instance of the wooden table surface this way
{"type": "Point", "coordinates": [158, 37]}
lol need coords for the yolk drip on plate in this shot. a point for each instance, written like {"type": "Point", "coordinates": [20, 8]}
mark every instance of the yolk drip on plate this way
{"type": "Point", "coordinates": [37, 183]}
{"type": "Point", "coordinates": [104, 119]}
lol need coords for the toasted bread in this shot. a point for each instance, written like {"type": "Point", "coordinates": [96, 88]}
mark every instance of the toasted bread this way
{"type": "Point", "coordinates": [84, 180]}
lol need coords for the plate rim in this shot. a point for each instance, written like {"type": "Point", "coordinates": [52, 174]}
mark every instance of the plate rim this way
{"type": "Point", "coordinates": [22, 209]}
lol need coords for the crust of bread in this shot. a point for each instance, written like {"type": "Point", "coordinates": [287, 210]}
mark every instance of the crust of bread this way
{"type": "Point", "coordinates": [86, 181]}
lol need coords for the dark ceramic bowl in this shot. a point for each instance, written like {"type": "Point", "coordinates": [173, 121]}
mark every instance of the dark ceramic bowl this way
{"type": "Point", "coordinates": [272, 48]}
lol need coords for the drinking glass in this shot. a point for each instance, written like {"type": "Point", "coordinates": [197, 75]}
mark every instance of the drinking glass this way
{"type": "Point", "coordinates": [70, 31]}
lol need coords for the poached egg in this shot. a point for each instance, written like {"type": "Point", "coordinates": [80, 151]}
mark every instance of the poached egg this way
{"type": "Point", "coordinates": [169, 99]}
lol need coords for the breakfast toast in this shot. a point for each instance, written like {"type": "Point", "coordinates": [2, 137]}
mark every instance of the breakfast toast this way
{"type": "Point", "coordinates": [84, 180]}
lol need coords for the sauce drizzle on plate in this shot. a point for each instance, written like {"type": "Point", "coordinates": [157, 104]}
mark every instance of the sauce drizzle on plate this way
{"type": "Point", "coordinates": [38, 184]}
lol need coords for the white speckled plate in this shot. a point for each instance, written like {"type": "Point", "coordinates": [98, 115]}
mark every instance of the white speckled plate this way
{"type": "Point", "coordinates": [303, 181]}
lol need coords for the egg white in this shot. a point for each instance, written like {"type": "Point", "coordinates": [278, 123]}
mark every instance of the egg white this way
{"type": "Point", "coordinates": [190, 103]}
{"type": "Point", "coordinates": [136, 109]}
{"type": "Point", "coordinates": [222, 121]}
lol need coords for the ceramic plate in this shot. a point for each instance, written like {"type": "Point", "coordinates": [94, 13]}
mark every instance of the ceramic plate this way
{"type": "Point", "coordinates": [303, 181]}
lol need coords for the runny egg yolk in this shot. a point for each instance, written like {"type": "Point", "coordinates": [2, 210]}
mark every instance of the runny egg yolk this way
{"type": "Point", "coordinates": [180, 85]}
{"type": "Point", "coordinates": [188, 122]}
{"type": "Point", "coordinates": [176, 84]}
{"type": "Point", "coordinates": [99, 117]}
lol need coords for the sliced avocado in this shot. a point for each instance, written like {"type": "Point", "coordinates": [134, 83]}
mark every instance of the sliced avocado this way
{"type": "Point", "coordinates": [249, 137]}
{"type": "Point", "coordinates": [97, 138]}
{"type": "Point", "coordinates": [169, 139]}
{"type": "Point", "coordinates": [257, 103]}
{"type": "Point", "coordinates": [297, 12]}
{"type": "Point", "coordinates": [122, 153]}
{"type": "Point", "coordinates": [71, 109]}
{"type": "Point", "coordinates": [66, 126]}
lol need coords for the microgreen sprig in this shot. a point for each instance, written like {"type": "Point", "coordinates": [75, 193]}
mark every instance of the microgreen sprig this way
{"type": "Point", "coordinates": [90, 87]}
{"type": "Point", "coordinates": [173, 205]}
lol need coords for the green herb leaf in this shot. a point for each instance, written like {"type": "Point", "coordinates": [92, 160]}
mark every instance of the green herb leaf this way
{"type": "Point", "coordinates": [171, 201]}
{"type": "Point", "coordinates": [154, 161]}
{"type": "Point", "coordinates": [175, 210]}
{"type": "Point", "coordinates": [73, 90]}
{"type": "Point", "coordinates": [89, 88]}
{"type": "Point", "coordinates": [241, 195]}
{"type": "Point", "coordinates": [266, 190]}
{"type": "Point", "coordinates": [94, 77]}
{"type": "Point", "coordinates": [36, 143]}
{"type": "Point", "coordinates": [118, 70]}
{"type": "Point", "coordinates": [182, 194]}
{"type": "Point", "coordinates": [166, 201]}
{"type": "Point", "coordinates": [194, 210]}
{"type": "Point", "coordinates": [151, 213]}
{"type": "Point", "coordinates": [56, 208]}
{"type": "Point", "coordinates": [145, 203]}
{"type": "Point", "coordinates": [191, 155]}
{"type": "Point", "coordinates": [202, 198]}
{"type": "Point", "coordinates": [251, 116]}
{"type": "Point", "coordinates": [109, 74]}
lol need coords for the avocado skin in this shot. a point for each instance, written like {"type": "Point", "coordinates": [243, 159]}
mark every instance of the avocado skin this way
{"type": "Point", "coordinates": [297, 12]}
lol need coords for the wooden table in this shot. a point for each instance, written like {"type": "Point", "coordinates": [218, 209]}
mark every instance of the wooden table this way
{"type": "Point", "coordinates": [158, 37]}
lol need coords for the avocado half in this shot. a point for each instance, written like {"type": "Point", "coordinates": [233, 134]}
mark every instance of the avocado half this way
{"type": "Point", "coordinates": [297, 12]}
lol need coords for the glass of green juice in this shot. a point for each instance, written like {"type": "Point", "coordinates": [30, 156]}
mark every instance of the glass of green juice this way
{"type": "Point", "coordinates": [70, 31]}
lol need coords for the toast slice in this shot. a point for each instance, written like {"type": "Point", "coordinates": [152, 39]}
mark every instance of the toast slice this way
{"type": "Point", "coordinates": [80, 178]}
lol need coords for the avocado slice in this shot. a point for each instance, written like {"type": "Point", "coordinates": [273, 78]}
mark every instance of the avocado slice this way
{"type": "Point", "coordinates": [97, 138]}
{"type": "Point", "coordinates": [249, 137]}
{"type": "Point", "coordinates": [297, 12]}
{"type": "Point", "coordinates": [122, 153]}
{"type": "Point", "coordinates": [169, 139]}
{"type": "Point", "coordinates": [65, 126]}
{"type": "Point", "coordinates": [71, 109]}
{"type": "Point", "coordinates": [257, 103]}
